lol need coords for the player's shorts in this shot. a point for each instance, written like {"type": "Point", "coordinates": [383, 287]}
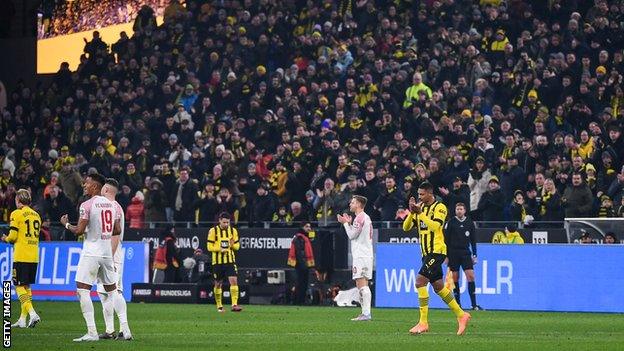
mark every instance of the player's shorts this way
{"type": "Point", "coordinates": [432, 267]}
{"type": "Point", "coordinates": [459, 259]}
{"type": "Point", "coordinates": [118, 283]}
{"type": "Point", "coordinates": [362, 268]}
{"type": "Point", "coordinates": [24, 273]}
{"type": "Point", "coordinates": [92, 269]}
{"type": "Point", "coordinates": [222, 271]}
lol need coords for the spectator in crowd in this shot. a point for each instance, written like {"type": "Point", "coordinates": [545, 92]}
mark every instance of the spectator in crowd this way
{"type": "Point", "coordinates": [478, 180]}
{"type": "Point", "coordinates": [55, 205]}
{"type": "Point", "coordinates": [606, 207]}
{"type": "Point", "coordinates": [518, 212]}
{"type": "Point", "coordinates": [155, 201]}
{"type": "Point", "coordinates": [492, 202]}
{"type": "Point", "coordinates": [207, 204]}
{"type": "Point", "coordinates": [611, 238]}
{"type": "Point", "coordinates": [185, 198]}
{"type": "Point", "coordinates": [459, 193]}
{"type": "Point", "coordinates": [298, 214]}
{"type": "Point", "coordinates": [577, 198]}
{"type": "Point", "coordinates": [585, 238]}
{"type": "Point", "coordinates": [227, 204]}
{"type": "Point", "coordinates": [390, 200]}
{"type": "Point", "coordinates": [328, 202]}
{"type": "Point", "coordinates": [263, 205]}
{"type": "Point", "coordinates": [71, 182]}
{"type": "Point", "coordinates": [135, 213]}
{"type": "Point", "coordinates": [620, 209]}
{"type": "Point", "coordinates": [550, 203]}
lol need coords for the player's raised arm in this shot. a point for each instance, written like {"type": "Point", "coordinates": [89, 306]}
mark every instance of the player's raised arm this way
{"type": "Point", "coordinates": [353, 231]}
{"type": "Point", "coordinates": [78, 229]}
{"type": "Point", "coordinates": [439, 216]}
{"type": "Point", "coordinates": [410, 219]}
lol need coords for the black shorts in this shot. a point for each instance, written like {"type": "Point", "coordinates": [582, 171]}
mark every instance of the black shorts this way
{"type": "Point", "coordinates": [24, 273]}
{"type": "Point", "coordinates": [432, 267]}
{"type": "Point", "coordinates": [222, 271]}
{"type": "Point", "coordinates": [459, 259]}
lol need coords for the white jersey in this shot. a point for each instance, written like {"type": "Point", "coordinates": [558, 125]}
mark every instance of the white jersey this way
{"type": "Point", "coordinates": [119, 215]}
{"type": "Point", "coordinates": [361, 235]}
{"type": "Point", "coordinates": [101, 213]}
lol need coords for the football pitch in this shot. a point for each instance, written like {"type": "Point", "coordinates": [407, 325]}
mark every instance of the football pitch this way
{"type": "Point", "coordinates": [200, 327]}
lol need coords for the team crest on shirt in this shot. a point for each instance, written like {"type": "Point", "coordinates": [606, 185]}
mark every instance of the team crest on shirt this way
{"type": "Point", "coordinates": [467, 233]}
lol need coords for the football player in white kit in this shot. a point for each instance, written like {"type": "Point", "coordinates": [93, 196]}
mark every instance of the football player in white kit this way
{"type": "Point", "coordinates": [97, 223]}
{"type": "Point", "coordinates": [117, 301]}
{"type": "Point", "coordinates": [361, 235]}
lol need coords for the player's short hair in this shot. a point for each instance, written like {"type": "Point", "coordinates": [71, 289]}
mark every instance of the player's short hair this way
{"type": "Point", "coordinates": [23, 196]}
{"type": "Point", "coordinates": [224, 215]}
{"type": "Point", "coordinates": [361, 199]}
{"type": "Point", "coordinates": [426, 186]}
{"type": "Point", "coordinates": [112, 182]}
{"type": "Point", "coordinates": [98, 178]}
{"type": "Point", "coordinates": [461, 204]}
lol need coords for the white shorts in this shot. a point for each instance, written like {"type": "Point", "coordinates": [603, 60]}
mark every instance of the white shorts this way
{"type": "Point", "coordinates": [92, 268]}
{"type": "Point", "coordinates": [119, 278]}
{"type": "Point", "coordinates": [363, 268]}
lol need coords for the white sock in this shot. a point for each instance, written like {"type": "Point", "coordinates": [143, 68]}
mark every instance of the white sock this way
{"type": "Point", "coordinates": [121, 309]}
{"type": "Point", "coordinates": [86, 305]}
{"type": "Point", "coordinates": [365, 300]}
{"type": "Point", "coordinates": [107, 310]}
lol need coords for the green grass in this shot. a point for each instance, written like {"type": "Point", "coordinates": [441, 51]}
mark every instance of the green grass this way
{"type": "Point", "coordinates": [200, 327]}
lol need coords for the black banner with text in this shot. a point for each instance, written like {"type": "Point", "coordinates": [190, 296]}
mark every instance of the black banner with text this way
{"type": "Point", "coordinates": [259, 247]}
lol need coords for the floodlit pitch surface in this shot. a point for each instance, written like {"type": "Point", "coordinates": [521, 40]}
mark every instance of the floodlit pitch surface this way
{"type": "Point", "coordinates": [200, 327]}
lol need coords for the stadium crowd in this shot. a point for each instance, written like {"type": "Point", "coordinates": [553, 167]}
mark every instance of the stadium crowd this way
{"type": "Point", "coordinates": [279, 111]}
{"type": "Point", "coordinates": [62, 17]}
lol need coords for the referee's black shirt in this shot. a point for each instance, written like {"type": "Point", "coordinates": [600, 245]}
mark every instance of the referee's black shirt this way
{"type": "Point", "coordinates": [459, 236]}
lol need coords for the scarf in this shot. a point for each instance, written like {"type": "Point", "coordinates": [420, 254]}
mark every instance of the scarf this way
{"type": "Point", "coordinates": [545, 197]}
{"type": "Point", "coordinates": [178, 200]}
{"type": "Point", "coordinates": [356, 124]}
{"type": "Point", "coordinates": [292, 255]}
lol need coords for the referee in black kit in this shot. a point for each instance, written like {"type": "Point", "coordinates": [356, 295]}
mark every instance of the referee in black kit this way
{"type": "Point", "coordinates": [460, 238]}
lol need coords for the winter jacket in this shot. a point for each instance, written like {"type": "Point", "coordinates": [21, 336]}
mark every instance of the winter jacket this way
{"type": "Point", "coordinates": [135, 213]}
{"type": "Point", "coordinates": [478, 184]}
{"type": "Point", "coordinates": [577, 201]}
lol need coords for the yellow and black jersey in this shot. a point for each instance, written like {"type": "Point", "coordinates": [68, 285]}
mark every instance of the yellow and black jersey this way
{"type": "Point", "coordinates": [219, 239]}
{"type": "Point", "coordinates": [25, 225]}
{"type": "Point", "coordinates": [430, 224]}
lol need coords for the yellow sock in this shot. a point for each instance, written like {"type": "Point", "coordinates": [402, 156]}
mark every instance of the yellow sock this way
{"type": "Point", "coordinates": [218, 293]}
{"type": "Point", "coordinates": [423, 301]}
{"type": "Point", "coordinates": [447, 297]}
{"type": "Point", "coordinates": [22, 294]}
{"type": "Point", "coordinates": [29, 304]}
{"type": "Point", "coordinates": [234, 294]}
